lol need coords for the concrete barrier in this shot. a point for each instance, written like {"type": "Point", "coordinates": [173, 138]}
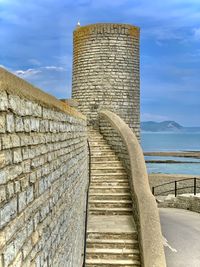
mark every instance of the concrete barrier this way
{"type": "Point", "coordinates": [145, 211]}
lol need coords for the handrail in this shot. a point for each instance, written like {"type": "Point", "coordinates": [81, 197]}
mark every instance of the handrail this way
{"type": "Point", "coordinates": [177, 181]}
{"type": "Point", "coordinates": [176, 188]}
{"type": "Point", "coordinates": [149, 228]}
{"type": "Point", "coordinates": [87, 197]}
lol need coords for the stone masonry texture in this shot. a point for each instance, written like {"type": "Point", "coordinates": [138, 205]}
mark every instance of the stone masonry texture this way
{"type": "Point", "coordinates": [187, 202]}
{"type": "Point", "coordinates": [117, 144]}
{"type": "Point", "coordinates": [106, 72]}
{"type": "Point", "coordinates": [43, 180]}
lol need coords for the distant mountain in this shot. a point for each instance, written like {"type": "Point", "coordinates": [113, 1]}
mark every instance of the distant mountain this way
{"type": "Point", "coordinates": [191, 129]}
{"type": "Point", "coordinates": [167, 126]}
{"type": "Point", "coordinates": [164, 126]}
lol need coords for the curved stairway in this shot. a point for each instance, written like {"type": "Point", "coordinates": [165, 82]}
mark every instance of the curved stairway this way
{"type": "Point", "coordinates": [111, 232]}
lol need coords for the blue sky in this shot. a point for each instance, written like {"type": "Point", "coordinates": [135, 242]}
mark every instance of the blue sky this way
{"type": "Point", "coordinates": [36, 44]}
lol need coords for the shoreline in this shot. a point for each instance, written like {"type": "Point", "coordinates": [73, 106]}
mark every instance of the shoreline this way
{"type": "Point", "coordinates": [172, 161]}
{"type": "Point", "coordinates": [186, 154]}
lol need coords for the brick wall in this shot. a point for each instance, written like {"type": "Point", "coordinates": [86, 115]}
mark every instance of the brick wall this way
{"type": "Point", "coordinates": [186, 202]}
{"type": "Point", "coordinates": [106, 72]}
{"type": "Point", "coordinates": [43, 178]}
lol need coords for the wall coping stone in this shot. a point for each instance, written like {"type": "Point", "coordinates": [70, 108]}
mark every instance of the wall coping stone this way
{"type": "Point", "coordinates": [150, 228]}
{"type": "Point", "coordinates": [128, 28]}
{"type": "Point", "coordinates": [17, 86]}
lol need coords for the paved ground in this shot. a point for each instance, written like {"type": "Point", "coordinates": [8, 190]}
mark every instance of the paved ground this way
{"type": "Point", "coordinates": [121, 224]}
{"type": "Point", "coordinates": [181, 230]}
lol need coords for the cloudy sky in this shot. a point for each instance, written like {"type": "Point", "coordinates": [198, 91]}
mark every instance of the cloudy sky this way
{"type": "Point", "coordinates": [36, 44]}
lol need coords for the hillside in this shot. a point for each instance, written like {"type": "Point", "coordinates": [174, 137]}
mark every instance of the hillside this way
{"type": "Point", "coordinates": [164, 126]}
{"type": "Point", "coordinates": [167, 126]}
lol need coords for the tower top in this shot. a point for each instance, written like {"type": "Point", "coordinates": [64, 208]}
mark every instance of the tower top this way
{"type": "Point", "coordinates": [106, 72]}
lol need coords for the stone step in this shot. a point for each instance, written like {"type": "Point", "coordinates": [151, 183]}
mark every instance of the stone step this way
{"type": "Point", "coordinates": [97, 140]}
{"type": "Point", "coordinates": [100, 147]}
{"type": "Point", "coordinates": [107, 204]}
{"type": "Point", "coordinates": [108, 167]}
{"type": "Point", "coordinates": [110, 211]}
{"type": "Point", "coordinates": [112, 263]}
{"type": "Point", "coordinates": [100, 142]}
{"type": "Point", "coordinates": [112, 253]}
{"type": "Point", "coordinates": [110, 183]}
{"type": "Point", "coordinates": [96, 158]}
{"type": "Point", "coordinates": [109, 196]}
{"type": "Point", "coordinates": [112, 235]}
{"type": "Point", "coordinates": [109, 176]}
{"type": "Point", "coordinates": [114, 171]}
{"type": "Point", "coordinates": [102, 153]}
{"type": "Point", "coordinates": [95, 137]}
{"type": "Point", "coordinates": [106, 189]}
{"type": "Point", "coordinates": [109, 179]}
{"type": "Point", "coordinates": [96, 143]}
{"type": "Point", "coordinates": [112, 243]}
{"type": "Point", "coordinates": [93, 131]}
{"type": "Point", "coordinates": [124, 201]}
{"type": "Point", "coordinates": [101, 164]}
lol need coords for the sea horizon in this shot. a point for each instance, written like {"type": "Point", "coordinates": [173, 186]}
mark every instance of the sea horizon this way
{"type": "Point", "coordinates": [171, 142]}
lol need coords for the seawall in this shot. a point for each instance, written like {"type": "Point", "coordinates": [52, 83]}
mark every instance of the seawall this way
{"type": "Point", "coordinates": [43, 177]}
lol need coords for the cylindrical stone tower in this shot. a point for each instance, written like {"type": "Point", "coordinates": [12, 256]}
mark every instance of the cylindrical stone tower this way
{"type": "Point", "coordinates": [106, 72]}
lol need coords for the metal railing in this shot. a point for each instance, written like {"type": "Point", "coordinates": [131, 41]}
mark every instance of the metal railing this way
{"type": "Point", "coordinates": [87, 196]}
{"type": "Point", "coordinates": [177, 186]}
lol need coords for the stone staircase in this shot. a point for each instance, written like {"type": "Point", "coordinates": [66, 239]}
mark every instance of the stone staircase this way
{"type": "Point", "coordinates": [111, 233]}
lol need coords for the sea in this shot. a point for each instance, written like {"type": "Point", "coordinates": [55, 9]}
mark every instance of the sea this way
{"type": "Point", "coordinates": [165, 141]}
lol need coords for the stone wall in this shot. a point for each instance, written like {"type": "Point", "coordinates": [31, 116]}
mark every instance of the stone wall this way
{"type": "Point", "coordinates": [186, 202]}
{"type": "Point", "coordinates": [115, 140]}
{"type": "Point", "coordinates": [125, 144]}
{"type": "Point", "coordinates": [165, 183]}
{"type": "Point", "coordinates": [106, 72]}
{"type": "Point", "coordinates": [43, 178]}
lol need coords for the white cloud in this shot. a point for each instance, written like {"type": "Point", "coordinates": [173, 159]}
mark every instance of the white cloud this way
{"type": "Point", "coordinates": [27, 73]}
{"type": "Point", "coordinates": [55, 68]}
{"type": "Point", "coordinates": [196, 32]}
{"type": "Point", "coordinates": [32, 72]}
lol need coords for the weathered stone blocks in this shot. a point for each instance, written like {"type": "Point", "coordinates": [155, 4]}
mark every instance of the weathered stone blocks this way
{"type": "Point", "coordinates": [106, 72]}
{"type": "Point", "coordinates": [43, 179]}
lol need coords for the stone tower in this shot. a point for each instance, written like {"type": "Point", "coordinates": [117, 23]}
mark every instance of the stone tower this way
{"type": "Point", "coordinates": [106, 72]}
